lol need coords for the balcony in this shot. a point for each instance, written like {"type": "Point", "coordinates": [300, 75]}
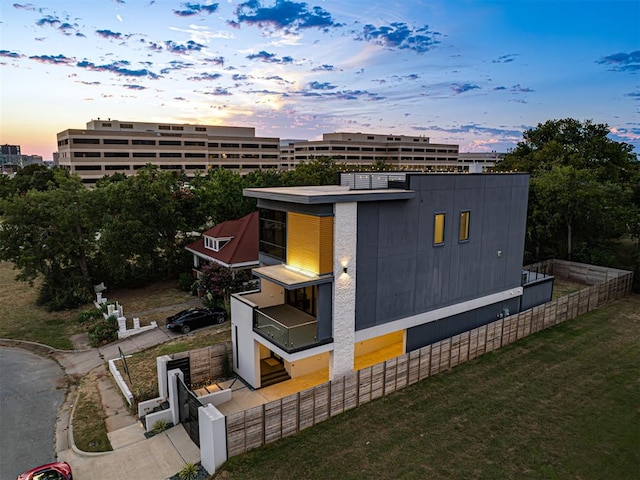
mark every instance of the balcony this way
{"type": "Point", "coordinates": [286, 327]}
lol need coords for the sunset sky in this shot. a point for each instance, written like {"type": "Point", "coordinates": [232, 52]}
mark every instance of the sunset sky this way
{"type": "Point", "coordinates": [474, 73]}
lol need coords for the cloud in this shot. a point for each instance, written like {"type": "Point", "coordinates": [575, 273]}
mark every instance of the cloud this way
{"type": "Point", "coordinates": [54, 60]}
{"type": "Point", "coordinates": [501, 87]}
{"type": "Point", "coordinates": [134, 87]}
{"type": "Point", "coordinates": [205, 77]}
{"type": "Point", "coordinates": [340, 94]}
{"type": "Point", "coordinates": [635, 95]}
{"type": "Point", "coordinates": [215, 60]}
{"type": "Point", "coordinates": [175, 65]}
{"type": "Point", "coordinates": [89, 83]}
{"type": "Point", "coordinates": [188, 47]}
{"type": "Point", "coordinates": [190, 9]}
{"type": "Point", "coordinates": [238, 77]}
{"type": "Point", "coordinates": [284, 15]}
{"type": "Point", "coordinates": [269, 57]}
{"type": "Point", "coordinates": [518, 89]}
{"type": "Point", "coordinates": [119, 68]}
{"type": "Point", "coordinates": [218, 91]}
{"type": "Point", "coordinates": [510, 57]}
{"type": "Point", "coordinates": [26, 6]}
{"type": "Point", "coordinates": [399, 35]}
{"type": "Point", "coordinates": [8, 54]}
{"type": "Point", "coordinates": [622, 62]}
{"type": "Point", "coordinates": [475, 128]}
{"type": "Point", "coordinates": [63, 27]}
{"type": "Point", "coordinates": [323, 68]}
{"type": "Point", "coordinates": [321, 86]}
{"type": "Point", "coordinates": [459, 88]}
{"type": "Point", "coordinates": [108, 34]}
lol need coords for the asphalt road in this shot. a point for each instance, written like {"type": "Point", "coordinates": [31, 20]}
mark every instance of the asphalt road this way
{"type": "Point", "coordinates": [31, 391]}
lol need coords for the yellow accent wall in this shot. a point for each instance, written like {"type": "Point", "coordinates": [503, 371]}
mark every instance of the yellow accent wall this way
{"type": "Point", "coordinates": [310, 242]}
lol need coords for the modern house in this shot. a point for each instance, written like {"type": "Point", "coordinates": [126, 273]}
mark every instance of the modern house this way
{"type": "Point", "coordinates": [232, 244]}
{"type": "Point", "coordinates": [382, 264]}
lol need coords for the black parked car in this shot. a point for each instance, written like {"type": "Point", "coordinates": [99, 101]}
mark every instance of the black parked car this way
{"type": "Point", "coordinates": [187, 320]}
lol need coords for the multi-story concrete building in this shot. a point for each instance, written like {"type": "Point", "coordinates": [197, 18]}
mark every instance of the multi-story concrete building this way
{"type": "Point", "coordinates": [380, 265]}
{"type": "Point", "coordinates": [479, 161]}
{"type": "Point", "coordinates": [398, 151]}
{"type": "Point", "coordinates": [109, 146]}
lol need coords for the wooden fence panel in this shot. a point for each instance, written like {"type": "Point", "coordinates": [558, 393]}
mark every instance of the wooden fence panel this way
{"type": "Point", "coordinates": [390, 374]}
{"type": "Point", "coordinates": [337, 397]}
{"type": "Point", "coordinates": [445, 354]}
{"type": "Point", "coordinates": [236, 428]}
{"type": "Point", "coordinates": [474, 340]}
{"type": "Point", "coordinates": [290, 420]}
{"type": "Point", "coordinates": [273, 421]}
{"type": "Point", "coordinates": [402, 369]}
{"type": "Point", "coordinates": [377, 380]}
{"type": "Point", "coordinates": [351, 395]}
{"type": "Point", "coordinates": [254, 427]}
{"type": "Point", "coordinates": [435, 358]}
{"type": "Point", "coordinates": [463, 355]}
{"type": "Point", "coordinates": [364, 385]}
{"type": "Point", "coordinates": [425, 362]}
{"type": "Point", "coordinates": [414, 367]}
{"type": "Point", "coordinates": [492, 341]}
{"type": "Point", "coordinates": [306, 409]}
{"type": "Point", "coordinates": [454, 356]}
{"type": "Point", "coordinates": [322, 402]}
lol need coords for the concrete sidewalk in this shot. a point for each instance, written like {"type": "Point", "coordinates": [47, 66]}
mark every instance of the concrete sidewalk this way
{"type": "Point", "coordinates": [133, 455]}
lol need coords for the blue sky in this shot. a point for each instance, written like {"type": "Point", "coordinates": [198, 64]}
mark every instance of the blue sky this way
{"type": "Point", "coordinates": [474, 73]}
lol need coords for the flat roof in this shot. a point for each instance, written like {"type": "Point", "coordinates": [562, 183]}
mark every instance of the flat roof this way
{"type": "Point", "coordinates": [288, 278]}
{"type": "Point", "coordinates": [326, 194]}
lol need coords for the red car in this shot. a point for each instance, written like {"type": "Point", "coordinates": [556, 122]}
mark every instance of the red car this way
{"type": "Point", "coordinates": [50, 471]}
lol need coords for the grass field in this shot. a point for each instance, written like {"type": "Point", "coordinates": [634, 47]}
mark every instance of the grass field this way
{"type": "Point", "coordinates": [561, 404]}
{"type": "Point", "coordinates": [22, 319]}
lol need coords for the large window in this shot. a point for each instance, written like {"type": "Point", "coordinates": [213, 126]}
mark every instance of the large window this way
{"type": "Point", "coordinates": [464, 226]}
{"type": "Point", "coordinates": [438, 229]}
{"type": "Point", "coordinates": [273, 233]}
{"type": "Point", "coordinates": [303, 299]}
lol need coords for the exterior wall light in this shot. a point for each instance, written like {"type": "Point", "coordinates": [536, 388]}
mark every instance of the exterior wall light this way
{"type": "Point", "coordinates": [344, 269]}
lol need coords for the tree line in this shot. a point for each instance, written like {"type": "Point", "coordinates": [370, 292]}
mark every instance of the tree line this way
{"type": "Point", "coordinates": [128, 231]}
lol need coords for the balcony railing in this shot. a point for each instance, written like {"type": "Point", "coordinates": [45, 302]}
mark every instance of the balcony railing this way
{"type": "Point", "coordinates": [293, 335]}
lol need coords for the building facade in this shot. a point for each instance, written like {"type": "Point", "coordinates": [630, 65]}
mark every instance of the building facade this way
{"type": "Point", "coordinates": [398, 151]}
{"type": "Point", "coordinates": [110, 146]}
{"type": "Point", "coordinates": [380, 266]}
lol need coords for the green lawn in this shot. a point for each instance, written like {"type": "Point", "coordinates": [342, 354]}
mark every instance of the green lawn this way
{"type": "Point", "coordinates": [561, 404]}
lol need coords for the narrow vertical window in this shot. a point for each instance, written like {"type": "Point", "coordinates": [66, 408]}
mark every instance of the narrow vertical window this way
{"type": "Point", "coordinates": [438, 229]}
{"type": "Point", "coordinates": [464, 226]}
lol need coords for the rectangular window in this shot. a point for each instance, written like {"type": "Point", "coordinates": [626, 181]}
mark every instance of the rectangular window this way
{"type": "Point", "coordinates": [86, 141]}
{"type": "Point", "coordinates": [188, 143]}
{"type": "Point", "coordinates": [273, 233]}
{"type": "Point", "coordinates": [201, 129]}
{"type": "Point", "coordinates": [115, 141]}
{"type": "Point", "coordinates": [143, 142]}
{"type": "Point", "coordinates": [126, 125]}
{"type": "Point", "coordinates": [170, 142]}
{"type": "Point", "coordinates": [116, 154]}
{"type": "Point", "coordinates": [144, 155]}
{"type": "Point", "coordinates": [170, 155]}
{"type": "Point", "coordinates": [438, 229]}
{"type": "Point", "coordinates": [464, 226]}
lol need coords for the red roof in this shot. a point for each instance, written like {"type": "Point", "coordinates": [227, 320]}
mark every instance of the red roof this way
{"type": "Point", "coordinates": [243, 247]}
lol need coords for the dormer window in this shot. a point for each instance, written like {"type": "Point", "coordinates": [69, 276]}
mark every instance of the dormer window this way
{"type": "Point", "coordinates": [216, 244]}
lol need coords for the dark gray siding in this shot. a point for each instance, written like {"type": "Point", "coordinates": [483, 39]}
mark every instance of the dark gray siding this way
{"type": "Point", "coordinates": [537, 293]}
{"type": "Point", "coordinates": [401, 273]}
{"type": "Point", "coordinates": [325, 311]}
{"type": "Point", "coordinates": [418, 337]}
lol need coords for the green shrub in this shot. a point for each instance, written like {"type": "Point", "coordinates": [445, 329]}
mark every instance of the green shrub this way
{"type": "Point", "coordinates": [103, 332]}
{"type": "Point", "coordinates": [160, 426]}
{"type": "Point", "coordinates": [89, 316]}
{"type": "Point", "coordinates": [189, 472]}
{"type": "Point", "coordinates": [186, 282]}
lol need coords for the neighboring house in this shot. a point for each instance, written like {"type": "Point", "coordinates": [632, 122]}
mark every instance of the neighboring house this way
{"type": "Point", "coordinates": [383, 264]}
{"type": "Point", "coordinates": [232, 244]}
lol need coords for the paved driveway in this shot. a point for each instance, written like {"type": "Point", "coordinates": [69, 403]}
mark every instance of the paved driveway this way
{"type": "Point", "coordinates": [31, 391]}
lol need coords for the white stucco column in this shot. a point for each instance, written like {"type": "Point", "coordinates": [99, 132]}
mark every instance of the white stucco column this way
{"type": "Point", "coordinates": [345, 229]}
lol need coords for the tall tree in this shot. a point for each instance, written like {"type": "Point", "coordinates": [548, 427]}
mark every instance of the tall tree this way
{"type": "Point", "coordinates": [582, 182]}
{"type": "Point", "coordinates": [51, 235]}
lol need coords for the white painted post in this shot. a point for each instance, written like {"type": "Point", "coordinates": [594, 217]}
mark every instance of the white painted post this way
{"type": "Point", "coordinates": [161, 367]}
{"type": "Point", "coordinates": [213, 438]}
{"type": "Point", "coordinates": [122, 324]}
{"type": "Point", "coordinates": [136, 323]}
{"type": "Point", "coordinates": [174, 406]}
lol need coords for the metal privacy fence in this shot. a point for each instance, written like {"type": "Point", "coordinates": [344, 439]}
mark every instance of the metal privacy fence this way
{"type": "Point", "coordinates": [281, 418]}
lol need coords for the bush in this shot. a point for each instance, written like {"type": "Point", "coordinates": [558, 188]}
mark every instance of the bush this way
{"type": "Point", "coordinates": [189, 472]}
{"type": "Point", "coordinates": [103, 332]}
{"type": "Point", "coordinates": [89, 316]}
{"type": "Point", "coordinates": [160, 426]}
{"type": "Point", "coordinates": [186, 282]}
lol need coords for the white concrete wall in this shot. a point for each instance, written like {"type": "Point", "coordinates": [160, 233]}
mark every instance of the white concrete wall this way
{"type": "Point", "coordinates": [213, 438]}
{"type": "Point", "coordinates": [246, 361]}
{"type": "Point", "coordinates": [345, 230]}
{"type": "Point", "coordinates": [174, 404]}
{"type": "Point", "coordinates": [161, 368]}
